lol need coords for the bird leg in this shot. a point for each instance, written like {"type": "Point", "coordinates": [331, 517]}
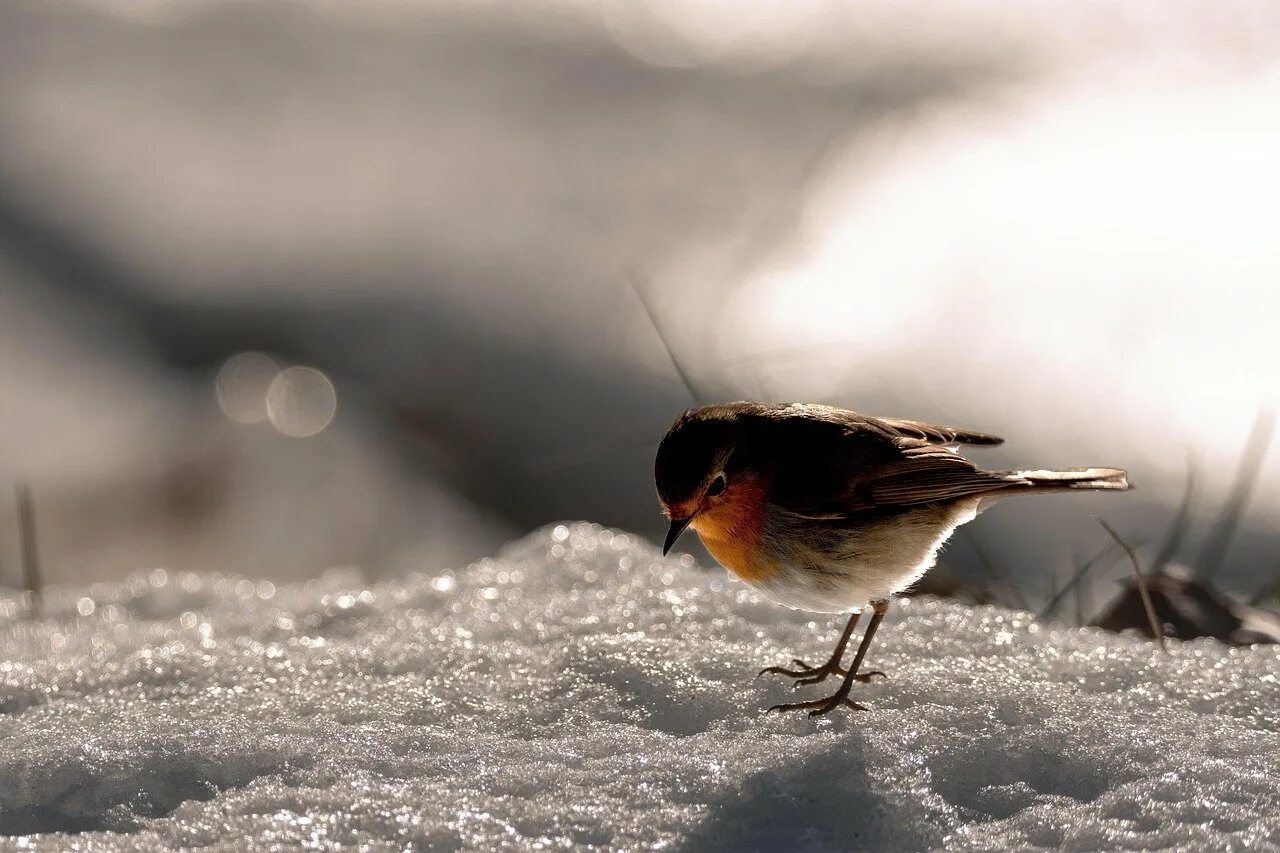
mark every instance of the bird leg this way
{"type": "Point", "coordinates": [817, 707]}
{"type": "Point", "coordinates": [813, 674]}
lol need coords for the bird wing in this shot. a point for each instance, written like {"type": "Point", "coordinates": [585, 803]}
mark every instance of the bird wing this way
{"type": "Point", "coordinates": [940, 434]}
{"type": "Point", "coordinates": [922, 430]}
{"type": "Point", "coordinates": [840, 463]}
{"type": "Point", "coordinates": [925, 473]}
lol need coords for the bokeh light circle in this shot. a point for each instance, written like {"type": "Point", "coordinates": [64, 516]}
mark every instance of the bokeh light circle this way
{"type": "Point", "coordinates": [241, 385]}
{"type": "Point", "coordinates": [301, 401]}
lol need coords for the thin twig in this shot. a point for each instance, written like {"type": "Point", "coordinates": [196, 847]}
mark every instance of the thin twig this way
{"type": "Point", "coordinates": [637, 284]}
{"type": "Point", "coordinates": [1055, 593]}
{"type": "Point", "coordinates": [1157, 630]}
{"type": "Point", "coordinates": [1216, 544]}
{"type": "Point", "coordinates": [27, 545]}
{"type": "Point", "coordinates": [1082, 596]}
{"type": "Point", "coordinates": [561, 460]}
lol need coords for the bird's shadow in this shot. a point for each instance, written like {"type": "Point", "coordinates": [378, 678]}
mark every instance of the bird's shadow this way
{"type": "Point", "coordinates": [824, 800]}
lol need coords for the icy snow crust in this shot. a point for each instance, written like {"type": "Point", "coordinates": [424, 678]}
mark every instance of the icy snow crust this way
{"type": "Point", "coordinates": [580, 691]}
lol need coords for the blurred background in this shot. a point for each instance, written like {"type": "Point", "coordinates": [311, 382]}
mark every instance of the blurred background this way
{"type": "Point", "coordinates": [293, 285]}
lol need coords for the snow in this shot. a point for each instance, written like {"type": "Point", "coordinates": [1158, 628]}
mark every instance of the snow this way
{"type": "Point", "coordinates": [579, 690]}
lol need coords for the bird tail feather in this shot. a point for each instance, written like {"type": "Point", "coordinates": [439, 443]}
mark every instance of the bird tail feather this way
{"type": "Point", "coordinates": [1093, 479]}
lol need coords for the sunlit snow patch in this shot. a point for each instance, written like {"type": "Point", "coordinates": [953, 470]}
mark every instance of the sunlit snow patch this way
{"type": "Point", "coordinates": [578, 690]}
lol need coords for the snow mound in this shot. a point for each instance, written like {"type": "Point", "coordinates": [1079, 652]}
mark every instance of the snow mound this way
{"type": "Point", "coordinates": [578, 690]}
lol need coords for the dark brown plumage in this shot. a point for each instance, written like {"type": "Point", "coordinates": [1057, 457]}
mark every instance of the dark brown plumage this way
{"type": "Point", "coordinates": [824, 462]}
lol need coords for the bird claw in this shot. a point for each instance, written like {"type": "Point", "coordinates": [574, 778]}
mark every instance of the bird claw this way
{"type": "Point", "coordinates": [861, 678]}
{"type": "Point", "coordinates": [825, 706]}
{"type": "Point", "coordinates": [817, 674]}
{"type": "Point", "coordinates": [807, 674]}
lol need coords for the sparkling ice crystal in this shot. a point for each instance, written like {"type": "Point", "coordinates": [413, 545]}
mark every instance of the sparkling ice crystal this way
{"type": "Point", "coordinates": [580, 691]}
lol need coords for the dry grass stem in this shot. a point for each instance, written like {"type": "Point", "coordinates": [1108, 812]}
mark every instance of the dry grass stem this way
{"type": "Point", "coordinates": [1157, 630]}
{"type": "Point", "coordinates": [27, 545]}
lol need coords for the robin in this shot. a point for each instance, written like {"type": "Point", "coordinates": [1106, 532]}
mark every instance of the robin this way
{"type": "Point", "coordinates": [828, 510]}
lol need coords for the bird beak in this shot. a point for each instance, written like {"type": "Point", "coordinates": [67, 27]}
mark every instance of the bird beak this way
{"type": "Point", "coordinates": [677, 527]}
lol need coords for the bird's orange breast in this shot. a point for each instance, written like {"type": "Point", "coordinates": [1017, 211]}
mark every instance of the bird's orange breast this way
{"type": "Point", "coordinates": [731, 529]}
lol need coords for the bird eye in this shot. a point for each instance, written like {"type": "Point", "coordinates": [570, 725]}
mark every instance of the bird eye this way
{"type": "Point", "coordinates": [716, 487]}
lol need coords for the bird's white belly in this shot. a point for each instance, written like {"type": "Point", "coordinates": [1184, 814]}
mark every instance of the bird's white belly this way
{"type": "Point", "coordinates": [843, 571]}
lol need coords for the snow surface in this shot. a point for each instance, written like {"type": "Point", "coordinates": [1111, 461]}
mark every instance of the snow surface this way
{"type": "Point", "coordinates": [578, 690]}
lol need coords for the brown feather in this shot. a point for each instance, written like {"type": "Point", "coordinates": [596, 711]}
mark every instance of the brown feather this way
{"type": "Point", "coordinates": [939, 434]}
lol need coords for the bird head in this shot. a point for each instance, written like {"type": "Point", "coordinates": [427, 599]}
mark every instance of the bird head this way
{"type": "Point", "coordinates": [694, 470]}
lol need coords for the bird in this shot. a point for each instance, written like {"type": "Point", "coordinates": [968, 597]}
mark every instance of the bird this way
{"type": "Point", "coordinates": [827, 510]}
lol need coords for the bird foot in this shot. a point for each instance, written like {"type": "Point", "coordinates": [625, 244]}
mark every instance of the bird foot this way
{"type": "Point", "coordinates": [814, 674]}
{"type": "Point", "coordinates": [818, 707]}
{"type": "Point", "coordinates": [804, 670]}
